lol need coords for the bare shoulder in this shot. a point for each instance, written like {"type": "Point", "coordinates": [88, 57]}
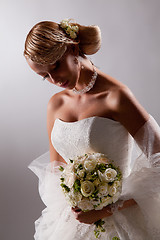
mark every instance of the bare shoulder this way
{"type": "Point", "coordinates": [126, 108]}
{"type": "Point", "coordinates": [55, 102]}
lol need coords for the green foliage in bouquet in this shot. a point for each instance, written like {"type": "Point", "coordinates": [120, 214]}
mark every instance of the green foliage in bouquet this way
{"type": "Point", "coordinates": [77, 185]}
{"type": "Point", "coordinates": [91, 181]}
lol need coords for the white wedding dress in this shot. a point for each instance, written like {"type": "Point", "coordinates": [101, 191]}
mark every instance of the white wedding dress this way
{"type": "Point", "coordinates": [141, 180]}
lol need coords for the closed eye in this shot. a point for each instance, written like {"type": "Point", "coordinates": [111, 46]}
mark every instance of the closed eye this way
{"type": "Point", "coordinates": [56, 65]}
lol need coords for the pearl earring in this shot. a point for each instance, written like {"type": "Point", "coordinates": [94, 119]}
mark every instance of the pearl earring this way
{"type": "Point", "coordinates": [82, 67]}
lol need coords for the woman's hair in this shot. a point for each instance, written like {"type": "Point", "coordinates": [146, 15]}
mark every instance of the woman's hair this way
{"type": "Point", "coordinates": [47, 41]}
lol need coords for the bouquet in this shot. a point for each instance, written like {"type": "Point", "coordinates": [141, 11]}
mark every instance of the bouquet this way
{"type": "Point", "coordinates": [91, 181]}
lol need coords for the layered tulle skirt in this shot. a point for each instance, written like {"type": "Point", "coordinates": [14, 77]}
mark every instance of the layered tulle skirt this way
{"type": "Point", "coordinates": [139, 222]}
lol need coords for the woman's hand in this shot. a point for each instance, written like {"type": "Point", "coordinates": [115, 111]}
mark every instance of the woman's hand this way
{"type": "Point", "coordinates": [92, 216]}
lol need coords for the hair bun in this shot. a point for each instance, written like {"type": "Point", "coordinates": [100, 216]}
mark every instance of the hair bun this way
{"type": "Point", "coordinates": [90, 39]}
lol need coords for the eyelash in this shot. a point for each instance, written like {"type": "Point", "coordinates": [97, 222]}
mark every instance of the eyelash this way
{"type": "Point", "coordinates": [57, 65]}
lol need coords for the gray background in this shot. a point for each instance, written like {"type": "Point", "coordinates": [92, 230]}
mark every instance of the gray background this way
{"type": "Point", "coordinates": [130, 52]}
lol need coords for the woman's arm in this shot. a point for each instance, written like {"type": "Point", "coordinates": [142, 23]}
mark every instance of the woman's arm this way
{"type": "Point", "coordinates": [52, 107]}
{"type": "Point", "coordinates": [137, 121]}
{"type": "Point", "coordinates": [127, 110]}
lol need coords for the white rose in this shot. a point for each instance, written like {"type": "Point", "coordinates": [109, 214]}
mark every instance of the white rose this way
{"type": "Point", "coordinates": [103, 189]}
{"type": "Point", "coordinates": [116, 197]}
{"type": "Point", "coordinates": [102, 160]}
{"type": "Point", "coordinates": [90, 164]}
{"type": "Point", "coordinates": [99, 207]}
{"type": "Point", "coordinates": [68, 169]}
{"type": "Point", "coordinates": [77, 196]}
{"type": "Point", "coordinates": [101, 176]}
{"type": "Point", "coordinates": [74, 197]}
{"type": "Point", "coordinates": [96, 182]}
{"type": "Point", "coordinates": [112, 190]}
{"type": "Point", "coordinates": [87, 188]}
{"type": "Point", "coordinates": [118, 185]}
{"type": "Point", "coordinates": [81, 173]}
{"type": "Point", "coordinates": [110, 174]}
{"type": "Point", "coordinates": [85, 205]}
{"type": "Point", "coordinates": [70, 179]}
{"type": "Point", "coordinates": [95, 202]}
{"type": "Point", "coordinates": [106, 201]}
{"type": "Point", "coordinates": [97, 155]}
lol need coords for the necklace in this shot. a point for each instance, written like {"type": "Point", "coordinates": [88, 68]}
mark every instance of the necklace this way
{"type": "Point", "coordinates": [90, 84]}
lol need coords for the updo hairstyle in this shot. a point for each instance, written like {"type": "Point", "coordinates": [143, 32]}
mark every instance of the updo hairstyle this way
{"type": "Point", "coordinates": [47, 41]}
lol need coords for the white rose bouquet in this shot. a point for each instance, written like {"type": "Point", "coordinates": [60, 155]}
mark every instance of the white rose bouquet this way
{"type": "Point", "coordinates": [91, 181]}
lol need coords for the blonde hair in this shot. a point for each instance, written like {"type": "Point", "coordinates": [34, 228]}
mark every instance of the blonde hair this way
{"type": "Point", "coordinates": [47, 41]}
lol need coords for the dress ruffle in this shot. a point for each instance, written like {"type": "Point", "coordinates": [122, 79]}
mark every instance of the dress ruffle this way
{"type": "Point", "coordinates": [140, 222]}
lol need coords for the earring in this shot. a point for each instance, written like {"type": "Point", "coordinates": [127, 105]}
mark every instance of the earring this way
{"type": "Point", "coordinates": [76, 60]}
{"type": "Point", "coordinates": [82, 67]}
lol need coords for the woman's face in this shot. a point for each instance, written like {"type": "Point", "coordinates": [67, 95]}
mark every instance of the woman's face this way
{"type": "Point", "coordinates": [64, 73]}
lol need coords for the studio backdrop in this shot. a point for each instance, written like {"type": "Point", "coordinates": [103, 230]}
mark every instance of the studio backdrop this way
{"type": "Point", "coordinates": [130, 52]}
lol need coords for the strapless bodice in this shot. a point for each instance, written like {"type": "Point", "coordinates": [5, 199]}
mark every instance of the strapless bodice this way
{"type": "Point", "coordinates": [93, 134]}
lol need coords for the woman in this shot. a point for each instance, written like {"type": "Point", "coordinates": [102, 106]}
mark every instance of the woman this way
{"type": "Point", "coordinates": [94, 113]}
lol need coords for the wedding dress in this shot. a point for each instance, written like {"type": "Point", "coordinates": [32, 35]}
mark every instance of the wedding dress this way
{"type": "Point", "coordinates": [139, 162]}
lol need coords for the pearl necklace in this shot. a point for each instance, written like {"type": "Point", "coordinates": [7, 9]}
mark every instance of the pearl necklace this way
{"type": "Point", "coordinates": [90, 84]}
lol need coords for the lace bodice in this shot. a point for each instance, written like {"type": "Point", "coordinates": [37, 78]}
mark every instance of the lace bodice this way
{"type": "Point", "coordinates": [93, 134]}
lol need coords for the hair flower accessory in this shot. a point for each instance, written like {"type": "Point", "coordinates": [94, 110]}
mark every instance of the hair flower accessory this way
{"type": "Point", "coordinates": [69, 29]}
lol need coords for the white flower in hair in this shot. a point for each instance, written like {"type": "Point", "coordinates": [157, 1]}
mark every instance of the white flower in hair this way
{"type": "Point", "coordinates": [75, 28]}
{"type": "Point", "coordinates": [69, 29]}
{"type": "Point", "coordinates": [64, 23]}
{"type": "Point", "coordinates": [73, 35]}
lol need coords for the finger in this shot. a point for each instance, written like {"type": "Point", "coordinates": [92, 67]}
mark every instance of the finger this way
{"type": "Point", "coordinates": [76, 209]}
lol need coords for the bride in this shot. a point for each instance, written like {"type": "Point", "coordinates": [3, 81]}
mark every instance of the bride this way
{"type": "Point", "coordinates": [94, 113]}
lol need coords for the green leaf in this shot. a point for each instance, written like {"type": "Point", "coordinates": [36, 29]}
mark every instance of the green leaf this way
{"type": "Point", "coordinates": [67, 189]}
{"type": "Point", "coordinates": [61, 168]}
{"type": "Point", "coordinates": [77, 185]}
{"type": "Point", "coordinates": [102, 167]}
{"type": "Point", "coordinates": [96, 233]}
{"type": "Point", "coordinates": [62, 179]}
{"type": "Point", "coordinates": [71, 160]}
{"type": "Point", "coordinates": [100, 222]}
{"type": "Point", "coordinates": [80, 166]}
{"type": "Point", "coordinates": [115, 238]}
